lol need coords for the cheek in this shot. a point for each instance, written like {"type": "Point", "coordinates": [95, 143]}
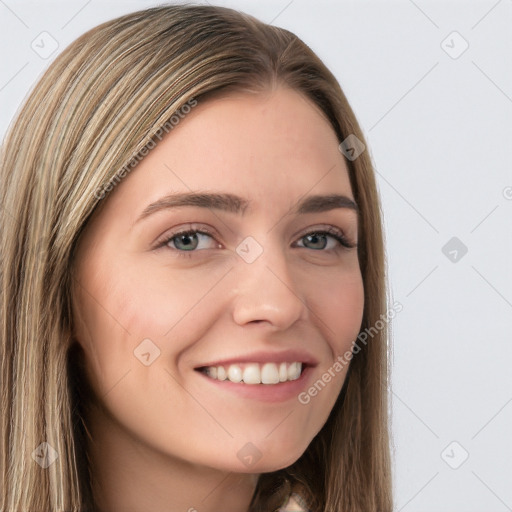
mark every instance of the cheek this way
{"type": "Point", "coordinates": [103, 330]}
{"type": "Point", "coordinates": [119, 308]}
{"type": "Point", "coordinates": [347, 314]}
{"type": "Point", "coordinates": [339, 305]}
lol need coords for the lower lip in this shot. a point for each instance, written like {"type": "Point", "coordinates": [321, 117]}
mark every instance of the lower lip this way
{"type": "Point", "coordinates": [264, 392]}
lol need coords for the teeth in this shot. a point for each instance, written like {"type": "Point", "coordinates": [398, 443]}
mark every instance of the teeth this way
{"type": "Point", "coordinates": [254, 373]}
{"type": "Point", "coordinates": [234, 373]}
{"type": "Point", "coordinates": [269, 374]}
{"type": "Point", "coordinates": [294, 371]}
{"type": "Point", "coordinates": [221, 373]}
{"type": "Point", "coordinates": [283, 372]}
{"type": "Point", "coordinates": [251, 374]}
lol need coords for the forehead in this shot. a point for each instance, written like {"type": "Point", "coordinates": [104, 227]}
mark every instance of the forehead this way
{"type": "Point", "coordinates": [272, 148]}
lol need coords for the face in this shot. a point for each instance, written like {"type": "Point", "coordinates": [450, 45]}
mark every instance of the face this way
{"type": "Point", "coordinates": [203, 322]}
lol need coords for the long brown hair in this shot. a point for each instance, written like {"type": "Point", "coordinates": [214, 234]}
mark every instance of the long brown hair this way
{"type": "Point", "coordinates": [102, 101]}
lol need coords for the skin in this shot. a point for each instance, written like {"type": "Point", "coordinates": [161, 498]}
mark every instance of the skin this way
{"type": "Point", "coordinates": [163, 438]}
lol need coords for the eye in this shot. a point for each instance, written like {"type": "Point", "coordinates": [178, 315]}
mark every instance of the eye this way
{"type": "Point", "coordinates": [187, 241]}
{"type": "Point", "coordinates": [319, 239]}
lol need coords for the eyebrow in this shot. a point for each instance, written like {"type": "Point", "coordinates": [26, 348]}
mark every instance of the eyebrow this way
{"type": "Point", "coordinates": [235, 204]}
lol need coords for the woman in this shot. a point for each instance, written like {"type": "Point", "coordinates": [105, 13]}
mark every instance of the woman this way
{"type": "Point", "coordinates": [191, 243]}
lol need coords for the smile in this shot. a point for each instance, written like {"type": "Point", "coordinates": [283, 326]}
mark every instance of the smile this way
{"type": "Point", "coordinates": [255, 373]}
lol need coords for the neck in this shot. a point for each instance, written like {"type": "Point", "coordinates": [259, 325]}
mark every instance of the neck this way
{"type": "Point", "coordinates": [130, 476]}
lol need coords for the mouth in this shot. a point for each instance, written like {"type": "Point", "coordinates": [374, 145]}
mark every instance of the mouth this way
{"type": "Point", "coordinates": [253, 373]}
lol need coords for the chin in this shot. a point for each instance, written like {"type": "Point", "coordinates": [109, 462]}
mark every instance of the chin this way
{"type": "Point", "coordinates": [272, 459]}
{"type": "Point", "coordinates": [268, 466]}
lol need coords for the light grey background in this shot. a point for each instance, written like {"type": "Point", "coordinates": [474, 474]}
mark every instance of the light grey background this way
{"type": "Point", "coordinates": [439, 128]}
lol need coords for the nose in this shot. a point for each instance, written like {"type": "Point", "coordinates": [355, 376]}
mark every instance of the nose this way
{"type": "Point", "coordinates": [267, 291]}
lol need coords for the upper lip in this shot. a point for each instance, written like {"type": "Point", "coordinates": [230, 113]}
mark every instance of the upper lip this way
{"type": "Point", "coordinates": [261, 357]}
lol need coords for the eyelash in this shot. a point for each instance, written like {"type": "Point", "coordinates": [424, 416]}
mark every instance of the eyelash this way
{"type": "Point", "coordinates": [333, 232]}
